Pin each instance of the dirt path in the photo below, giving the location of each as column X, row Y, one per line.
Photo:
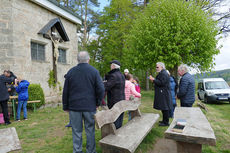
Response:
column 164, row 146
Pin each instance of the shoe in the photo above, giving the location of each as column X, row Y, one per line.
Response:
column 68, row 125
column 7, row 123
column 18, row 120
column 25, row 119
column 163, row 124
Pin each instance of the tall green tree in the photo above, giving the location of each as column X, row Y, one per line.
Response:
column 173, row 32
column 115, row 23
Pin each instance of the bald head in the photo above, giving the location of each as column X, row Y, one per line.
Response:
column 83, row 57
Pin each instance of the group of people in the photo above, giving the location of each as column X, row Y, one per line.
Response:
column 84, row 91
column 166, row 91
column 9, row 84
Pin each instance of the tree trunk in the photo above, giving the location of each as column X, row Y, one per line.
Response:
column 147, row 80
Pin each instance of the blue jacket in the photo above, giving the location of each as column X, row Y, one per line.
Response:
column 4, row 95
column 186, row 92
column 173, row 86
column 22, row 90
column 83, row 89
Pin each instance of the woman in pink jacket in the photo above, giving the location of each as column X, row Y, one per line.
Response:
column 130, row 89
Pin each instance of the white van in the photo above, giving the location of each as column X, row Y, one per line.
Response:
column 213, row 89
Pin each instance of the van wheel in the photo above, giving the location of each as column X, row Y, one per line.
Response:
column 205, row 99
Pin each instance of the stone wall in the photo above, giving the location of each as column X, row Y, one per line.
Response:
column 6, row 33
column 21, row 27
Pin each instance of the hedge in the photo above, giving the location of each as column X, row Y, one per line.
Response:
column 36, row 93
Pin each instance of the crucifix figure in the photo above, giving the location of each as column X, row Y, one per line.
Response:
column 56, row 43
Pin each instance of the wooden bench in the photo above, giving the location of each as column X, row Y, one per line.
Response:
column 196, row 132
column 34, row 103
column 127, row 138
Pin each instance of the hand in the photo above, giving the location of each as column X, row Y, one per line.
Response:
column 151, row 78
column 67, row 111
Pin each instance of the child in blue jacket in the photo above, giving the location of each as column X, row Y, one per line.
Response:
column 22, row 90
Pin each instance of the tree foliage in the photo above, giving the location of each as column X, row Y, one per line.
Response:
column 115, row 23
column 173, row 32
column 220, row 15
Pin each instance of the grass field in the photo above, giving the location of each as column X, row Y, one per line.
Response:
column 45, row 132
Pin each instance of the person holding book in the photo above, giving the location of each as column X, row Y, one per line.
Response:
column 162, row 97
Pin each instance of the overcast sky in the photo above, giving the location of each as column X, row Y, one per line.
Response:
column 222, row 60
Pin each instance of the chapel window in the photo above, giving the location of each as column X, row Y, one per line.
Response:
column 37, row 51
column 62, row 55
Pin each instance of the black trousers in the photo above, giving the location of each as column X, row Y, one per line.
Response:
column 119, row 121
column 186, row 104
column 4, row 106
column 165, row 116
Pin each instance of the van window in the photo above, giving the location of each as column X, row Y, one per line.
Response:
column 216, row 85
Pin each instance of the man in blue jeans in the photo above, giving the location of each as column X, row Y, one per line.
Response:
column 22, row 90
column 83, row 91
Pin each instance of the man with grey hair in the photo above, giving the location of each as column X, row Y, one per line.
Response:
column 186, row 92
column 83, row 92
column 115, row 88
column 162, row 96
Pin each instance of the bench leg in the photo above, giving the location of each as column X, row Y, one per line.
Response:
column 184, row 147
column 34, row 107
column 14, row 109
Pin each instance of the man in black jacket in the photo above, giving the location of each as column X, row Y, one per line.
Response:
column 4, row 95
column 115, row 87
column 83, row 91
column 162, row 96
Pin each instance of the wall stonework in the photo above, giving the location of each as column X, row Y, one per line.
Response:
column 20, row 22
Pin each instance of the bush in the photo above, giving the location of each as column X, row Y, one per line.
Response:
column 36, row 93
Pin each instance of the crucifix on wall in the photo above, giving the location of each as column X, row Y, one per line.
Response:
column 56, row 40
column 54, row 30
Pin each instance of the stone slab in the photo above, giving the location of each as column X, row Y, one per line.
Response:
column 129, row 136
column 109, row 116
column 197, row 130
column 9, row 140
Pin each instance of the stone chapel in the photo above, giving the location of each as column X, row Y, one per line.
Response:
column 38, row 38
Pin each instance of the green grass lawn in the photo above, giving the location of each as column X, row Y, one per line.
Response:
column 45, row 131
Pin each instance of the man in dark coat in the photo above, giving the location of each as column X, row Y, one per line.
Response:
column 115, row 87
column 11, row 88
column 186, row 92
column 4, row 95
column 83, row 91
column 162, row 97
